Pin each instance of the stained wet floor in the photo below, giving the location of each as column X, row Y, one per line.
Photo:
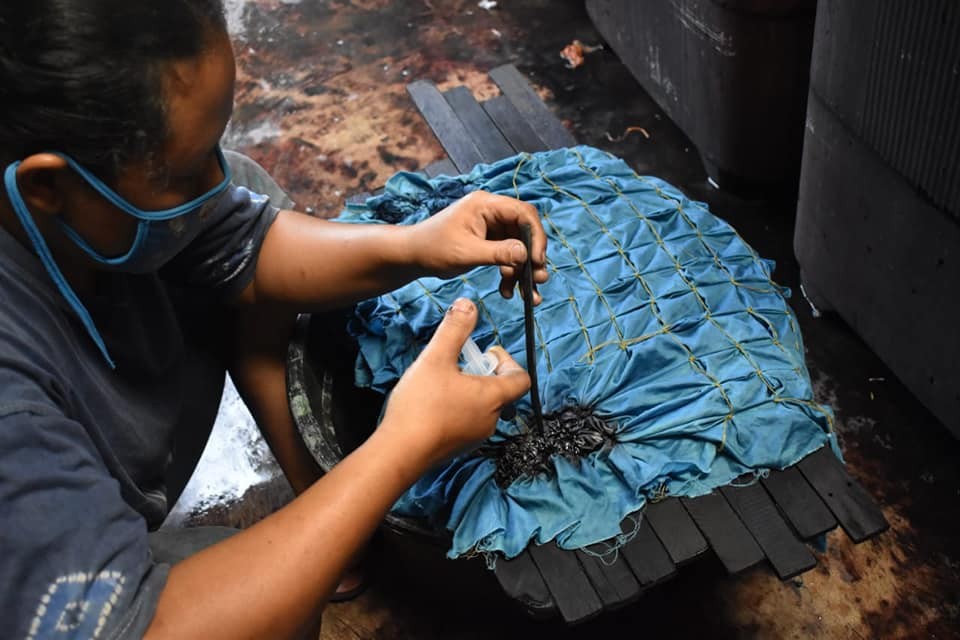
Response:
column 321, row 103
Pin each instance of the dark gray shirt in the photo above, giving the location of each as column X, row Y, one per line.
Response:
column 83, row 448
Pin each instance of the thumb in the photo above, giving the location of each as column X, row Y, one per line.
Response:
column 509, row 253
column 456, row 326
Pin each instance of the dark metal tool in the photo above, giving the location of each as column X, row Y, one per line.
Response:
column 526, row 291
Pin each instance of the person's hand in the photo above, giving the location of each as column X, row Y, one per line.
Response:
column 436, row 410
column 479, row 229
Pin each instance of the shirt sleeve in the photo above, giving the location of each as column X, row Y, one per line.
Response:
column 223, row 258
column 75, row 560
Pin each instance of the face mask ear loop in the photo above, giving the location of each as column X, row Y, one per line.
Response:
column 116, row 200
column 20, row 208
column 138, row 240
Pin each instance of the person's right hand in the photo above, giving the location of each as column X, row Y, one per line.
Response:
column 436, row 410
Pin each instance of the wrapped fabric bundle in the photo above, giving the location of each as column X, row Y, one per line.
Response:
column 658, row 319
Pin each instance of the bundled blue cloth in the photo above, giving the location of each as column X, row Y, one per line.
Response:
column 657, row 317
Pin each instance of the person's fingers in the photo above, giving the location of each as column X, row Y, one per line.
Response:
column 456, row 326
column 538, row 245
column 504, row 211
column 511, row 380
column 508, row 281
column 509, row 277
column 507, row 286
column 505, row 362
column 509, row 253
column 509, row 384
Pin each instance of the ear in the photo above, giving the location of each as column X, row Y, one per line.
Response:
column 41, row 180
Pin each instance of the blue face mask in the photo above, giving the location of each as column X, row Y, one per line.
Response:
column 160, row 235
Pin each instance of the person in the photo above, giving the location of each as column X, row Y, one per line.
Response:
column 132, row 271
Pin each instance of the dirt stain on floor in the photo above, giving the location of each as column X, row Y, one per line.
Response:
column 321, row 90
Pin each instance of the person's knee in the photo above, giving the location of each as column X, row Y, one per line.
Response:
column 173, row 545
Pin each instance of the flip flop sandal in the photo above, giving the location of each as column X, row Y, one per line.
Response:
column 350, row 594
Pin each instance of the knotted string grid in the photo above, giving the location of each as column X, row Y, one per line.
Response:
column 657, row 316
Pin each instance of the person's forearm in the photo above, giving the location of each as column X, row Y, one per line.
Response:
column 269, row 580
column 310, row 263
column 314, row 264
column 258, row 368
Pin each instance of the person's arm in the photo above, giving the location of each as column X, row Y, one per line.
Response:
column 269, row 580
column 312, row 262
column 306, row 261
column 257, row 366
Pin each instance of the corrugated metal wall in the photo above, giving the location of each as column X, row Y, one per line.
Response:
column 906, row 103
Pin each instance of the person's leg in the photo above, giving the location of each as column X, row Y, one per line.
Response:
column 203, row 380
column 257, row 358
column 258, row 367
column 171, row 545
column 203, row 321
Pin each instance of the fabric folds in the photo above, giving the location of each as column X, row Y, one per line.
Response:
column 657, row 316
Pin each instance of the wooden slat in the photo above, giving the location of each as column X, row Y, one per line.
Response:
column 728, row 536
column 509, row 121
column 441, row 168
column 515, row 87
column 799, row 502
column 853, row 507
column 568, row 584
column 446, row 125
column 786, row 553
column 483, row 132
column 676, row 530
column 521, row 580
column 647, row 558
column 611, row 578
column 358, row 198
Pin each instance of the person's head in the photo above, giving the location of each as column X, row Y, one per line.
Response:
column 137, row 92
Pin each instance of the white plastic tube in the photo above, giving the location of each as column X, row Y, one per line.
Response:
column 477, row 363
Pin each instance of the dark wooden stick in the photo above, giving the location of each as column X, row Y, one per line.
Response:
column 526, row 291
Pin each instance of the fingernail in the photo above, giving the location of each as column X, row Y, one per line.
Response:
column 517, row 253
column 462, row 305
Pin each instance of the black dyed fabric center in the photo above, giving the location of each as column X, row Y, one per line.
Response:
column 572, row 433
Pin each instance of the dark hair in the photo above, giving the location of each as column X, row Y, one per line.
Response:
column 84, row 77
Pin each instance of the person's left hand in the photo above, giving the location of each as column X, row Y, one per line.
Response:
column 480, row 229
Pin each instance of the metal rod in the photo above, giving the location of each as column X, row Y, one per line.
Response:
column 526, row 291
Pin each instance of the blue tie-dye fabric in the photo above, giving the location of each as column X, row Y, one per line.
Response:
column 657, row 316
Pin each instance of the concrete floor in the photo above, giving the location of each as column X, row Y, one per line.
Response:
column 321, row 103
